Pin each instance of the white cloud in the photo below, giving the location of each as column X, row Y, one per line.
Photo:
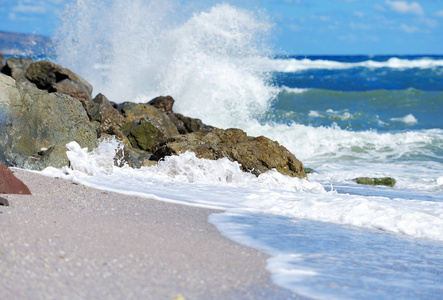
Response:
column 379, row 7
column 409, row 29
column 405, row 8
column 30, row 8
column 360, row 26
column 293, row 1
column 359, row 14
column 295, row 27
column 431, row 23
column 439, row 13
column 321, row 18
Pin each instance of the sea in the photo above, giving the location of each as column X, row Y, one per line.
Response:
column 343, row 116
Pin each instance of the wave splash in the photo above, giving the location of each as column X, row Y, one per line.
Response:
column 208, row 60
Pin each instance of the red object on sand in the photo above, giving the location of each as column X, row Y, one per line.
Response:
column 9, row 184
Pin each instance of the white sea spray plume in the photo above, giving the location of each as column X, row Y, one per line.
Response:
column 209, row 61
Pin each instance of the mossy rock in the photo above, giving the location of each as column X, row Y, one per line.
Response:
column 309, row 171
column 144, row 136
column 386, row 181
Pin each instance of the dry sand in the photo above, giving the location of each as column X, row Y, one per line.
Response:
column 68, row 241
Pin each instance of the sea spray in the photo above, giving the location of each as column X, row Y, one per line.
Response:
column 210, row 62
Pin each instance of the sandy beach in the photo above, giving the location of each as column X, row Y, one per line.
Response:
column 68, row 241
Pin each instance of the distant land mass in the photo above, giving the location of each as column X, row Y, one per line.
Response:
column 21, row 44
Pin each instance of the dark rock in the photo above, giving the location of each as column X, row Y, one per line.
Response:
column 101, row 110
column 163, row 103
column 184, row 124
column 16, row 68
column 2, row 62
column 4, row 202
column 9, row 184
column 192, row 125
column 37, row 125
column 386, row 181
column 255, row 154
column 54, row 78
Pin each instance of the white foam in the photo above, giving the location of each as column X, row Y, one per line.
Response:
column 293, row 90
column 408, row 119
column 296, row 65
column 314, row 114
column 221, row 184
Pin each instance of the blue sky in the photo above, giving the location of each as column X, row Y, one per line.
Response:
column 302, row 26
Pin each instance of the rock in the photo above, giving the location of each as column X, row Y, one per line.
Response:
column 2, row 62
column 386, row 181
column 36, row 126
column 4, row 202
column 255, row 154
column 54, row 78
column 72, row 88
column 133, row 112
column 9, row 184
column 16, row 68
column 101, row 110
column 184, row 124
column 143, row 135
column 309, row 171
column 192, row 125
column 163, row 103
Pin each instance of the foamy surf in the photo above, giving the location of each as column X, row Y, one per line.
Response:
column 226, row 186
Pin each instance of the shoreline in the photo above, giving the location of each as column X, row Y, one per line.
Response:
column 69, row 241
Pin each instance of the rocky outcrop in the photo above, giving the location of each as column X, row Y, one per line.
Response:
column 54, row 78
column 35, row 126
column 40, row 115
column 386, row 181
column 255, row 154
column 9, row 184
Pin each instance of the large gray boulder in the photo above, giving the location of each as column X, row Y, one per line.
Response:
column 54, row 78
column 16, row 68
column 35, row 126
column 255, row 154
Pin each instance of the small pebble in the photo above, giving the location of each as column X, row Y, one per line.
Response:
column 4, row 202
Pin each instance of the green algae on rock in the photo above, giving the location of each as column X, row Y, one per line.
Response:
column 386, row 181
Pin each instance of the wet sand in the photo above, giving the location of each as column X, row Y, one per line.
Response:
column 68, row 241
